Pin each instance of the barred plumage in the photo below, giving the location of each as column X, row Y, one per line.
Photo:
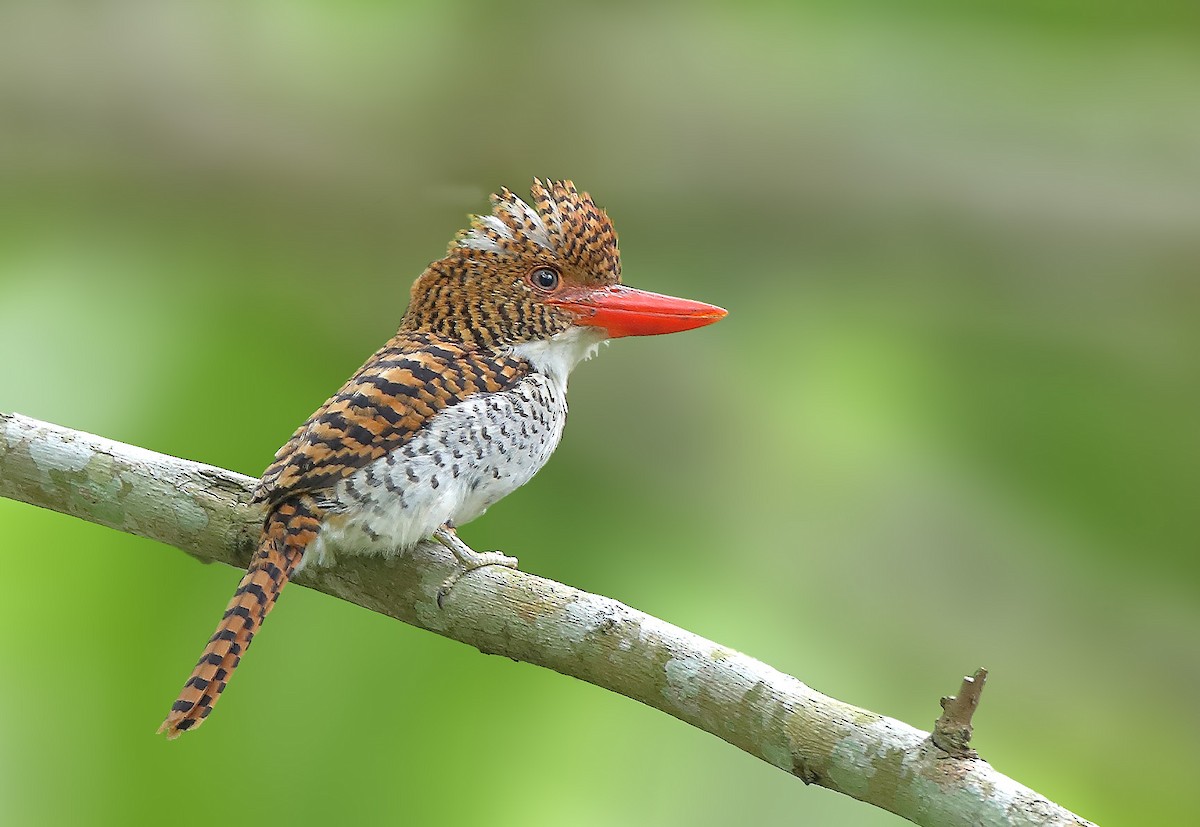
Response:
column 463, row 405
column 289, row 528
column 385, row 404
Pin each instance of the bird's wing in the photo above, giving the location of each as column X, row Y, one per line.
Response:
column 391, row 398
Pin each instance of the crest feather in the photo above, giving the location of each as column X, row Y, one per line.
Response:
column 563, row 222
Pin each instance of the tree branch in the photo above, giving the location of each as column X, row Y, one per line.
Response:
column 953, row 729
column 773, row 716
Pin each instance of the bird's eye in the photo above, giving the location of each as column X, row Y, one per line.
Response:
column 544, row 278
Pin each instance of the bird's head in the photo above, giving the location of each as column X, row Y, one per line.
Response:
column 549, row 272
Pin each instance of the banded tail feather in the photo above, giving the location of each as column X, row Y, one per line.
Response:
column 288, row 529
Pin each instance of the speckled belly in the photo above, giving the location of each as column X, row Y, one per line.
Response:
column 467, row 458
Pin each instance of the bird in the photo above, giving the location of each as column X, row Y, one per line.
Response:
column 462, row 406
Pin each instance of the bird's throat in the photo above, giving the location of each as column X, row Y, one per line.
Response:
column 557, row 356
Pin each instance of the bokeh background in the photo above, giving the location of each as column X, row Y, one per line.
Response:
column 951, row 420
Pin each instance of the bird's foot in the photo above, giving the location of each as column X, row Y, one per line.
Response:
column 468, row 559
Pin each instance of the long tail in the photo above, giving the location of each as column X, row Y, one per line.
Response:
column 288, row 529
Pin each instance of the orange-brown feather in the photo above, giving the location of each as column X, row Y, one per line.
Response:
column 466, row 313
column 385, row 404
column 289, row 528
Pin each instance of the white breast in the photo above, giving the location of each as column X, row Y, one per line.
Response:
column 465, row 460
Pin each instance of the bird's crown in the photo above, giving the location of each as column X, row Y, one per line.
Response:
column 501, row 280
column 562, row 222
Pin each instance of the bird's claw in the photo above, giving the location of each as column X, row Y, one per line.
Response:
column 468, row 560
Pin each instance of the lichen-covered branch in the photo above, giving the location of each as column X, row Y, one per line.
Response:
column 773, row 716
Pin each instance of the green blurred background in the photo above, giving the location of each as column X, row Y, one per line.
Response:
column 951, row 420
